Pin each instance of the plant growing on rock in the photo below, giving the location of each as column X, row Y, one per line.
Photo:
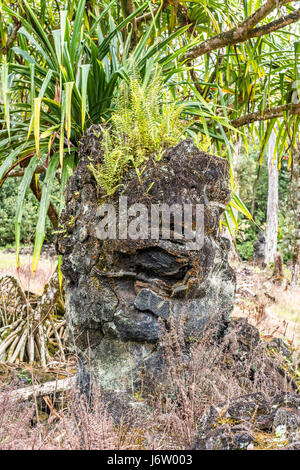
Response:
column 145, row 121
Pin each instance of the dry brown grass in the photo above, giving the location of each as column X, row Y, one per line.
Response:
column 216, row 371
column 285, row 312
column 30, row 282
column 23, row 426
column 273, row 309
column 212, row 374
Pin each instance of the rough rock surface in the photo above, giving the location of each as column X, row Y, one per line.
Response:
column 251, row 422
column 117, row 291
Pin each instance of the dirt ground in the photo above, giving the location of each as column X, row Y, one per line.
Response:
column 273, row 309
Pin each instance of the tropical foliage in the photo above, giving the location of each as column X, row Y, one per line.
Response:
column 230, row 68
column 248, row 232
column 8, row 204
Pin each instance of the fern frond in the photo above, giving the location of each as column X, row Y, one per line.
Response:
column 143, row 124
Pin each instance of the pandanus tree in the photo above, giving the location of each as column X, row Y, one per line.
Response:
column 231, row 67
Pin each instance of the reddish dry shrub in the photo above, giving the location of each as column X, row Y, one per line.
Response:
column 83, row 426
column 16, row 430
column 209, row 371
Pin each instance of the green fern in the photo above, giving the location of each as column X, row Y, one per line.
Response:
column 144, row 123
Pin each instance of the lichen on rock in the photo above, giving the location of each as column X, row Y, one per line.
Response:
column 251, row 421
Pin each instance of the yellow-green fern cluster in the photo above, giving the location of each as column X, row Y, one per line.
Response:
column 143, row 124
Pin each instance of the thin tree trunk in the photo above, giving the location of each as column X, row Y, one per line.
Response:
column 296, row 252
column 55, row 386
column 127, row 9
column 272, row 209
column 255, row 186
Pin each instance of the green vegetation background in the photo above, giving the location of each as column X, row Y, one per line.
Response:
column 248, row 232
column 8, row 204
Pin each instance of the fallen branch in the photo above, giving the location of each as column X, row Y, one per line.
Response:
column 51, row 407
column 55, row 386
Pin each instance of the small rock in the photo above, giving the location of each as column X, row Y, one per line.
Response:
column 246, row 406
column 287, row 423
column 148, row 300
column 82, row 234
column 280, row 346
column 224, row 437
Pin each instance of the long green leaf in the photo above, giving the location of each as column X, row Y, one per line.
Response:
column 26, row 180
column 84, row 80
column 43, row 209
column 5, row 95
column 76, row 29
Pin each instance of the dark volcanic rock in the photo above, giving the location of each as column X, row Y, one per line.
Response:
column 117, row 291
column 238, row 424
column 148, row 300
column 225, row 437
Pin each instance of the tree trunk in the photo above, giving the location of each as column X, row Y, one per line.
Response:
column 272, row 209
column 278, row 273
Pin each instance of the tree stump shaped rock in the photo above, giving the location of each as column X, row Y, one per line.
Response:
column 119, row 291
